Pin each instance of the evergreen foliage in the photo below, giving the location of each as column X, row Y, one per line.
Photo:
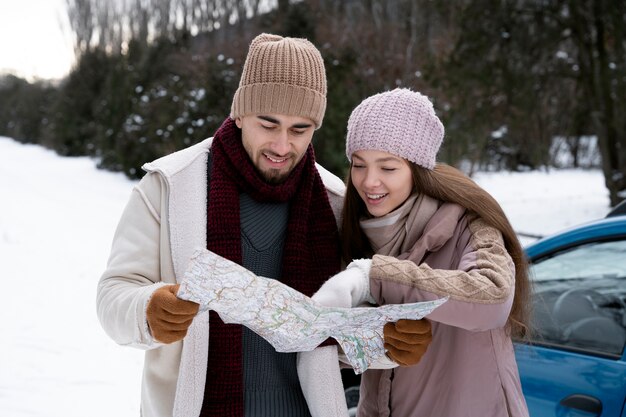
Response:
column 24, row 108
column 511, row 80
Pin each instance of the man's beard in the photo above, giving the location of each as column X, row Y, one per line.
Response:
column 277, row 176
column 274, row 176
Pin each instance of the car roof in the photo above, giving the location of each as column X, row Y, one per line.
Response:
column 609, row 228
column 618, row 209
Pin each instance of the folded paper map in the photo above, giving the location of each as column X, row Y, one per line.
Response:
column 289, row 320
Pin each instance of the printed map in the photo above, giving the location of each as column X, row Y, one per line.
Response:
column 289, row 320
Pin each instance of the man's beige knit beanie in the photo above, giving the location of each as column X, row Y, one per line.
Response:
column 283, row 76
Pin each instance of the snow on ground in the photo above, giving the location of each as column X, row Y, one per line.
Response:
column 57, row 218
column 541, row 203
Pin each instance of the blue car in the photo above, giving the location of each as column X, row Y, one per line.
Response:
column 575, row 364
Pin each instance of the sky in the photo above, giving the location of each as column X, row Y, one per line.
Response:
column 57, row 219
column 34, row 39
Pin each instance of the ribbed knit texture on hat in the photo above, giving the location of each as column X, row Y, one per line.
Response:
column 283, row 76
column 401, row 122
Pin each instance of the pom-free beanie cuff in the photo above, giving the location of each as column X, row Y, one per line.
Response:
column 281, row 99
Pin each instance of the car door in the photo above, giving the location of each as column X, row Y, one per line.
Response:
column 575, row 364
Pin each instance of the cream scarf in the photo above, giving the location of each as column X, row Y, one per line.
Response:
column 397, row 232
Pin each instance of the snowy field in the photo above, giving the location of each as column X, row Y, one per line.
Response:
column 57, row 218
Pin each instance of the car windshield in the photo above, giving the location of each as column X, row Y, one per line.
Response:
column 603, row 260
column 579, row 298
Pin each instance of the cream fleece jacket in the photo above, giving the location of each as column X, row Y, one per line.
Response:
column 163, row 222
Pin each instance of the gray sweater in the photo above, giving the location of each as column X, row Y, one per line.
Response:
column 271, row 385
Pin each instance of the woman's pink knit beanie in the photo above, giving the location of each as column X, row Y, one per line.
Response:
column 401, row 122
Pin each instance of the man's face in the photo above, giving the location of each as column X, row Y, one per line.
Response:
column 275, row 143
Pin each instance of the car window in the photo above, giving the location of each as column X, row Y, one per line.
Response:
column 579, row 298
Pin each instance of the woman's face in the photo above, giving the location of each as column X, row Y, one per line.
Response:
column 383, row 180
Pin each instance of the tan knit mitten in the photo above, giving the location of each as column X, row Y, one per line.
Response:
column 168, row 316
column 406, row 341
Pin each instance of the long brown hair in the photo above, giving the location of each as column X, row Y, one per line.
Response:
column 446, row 183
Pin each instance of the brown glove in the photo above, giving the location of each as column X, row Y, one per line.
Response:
column 406, row 341
column 168, row 316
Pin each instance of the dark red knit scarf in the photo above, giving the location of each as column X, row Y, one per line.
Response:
column 310, row 257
